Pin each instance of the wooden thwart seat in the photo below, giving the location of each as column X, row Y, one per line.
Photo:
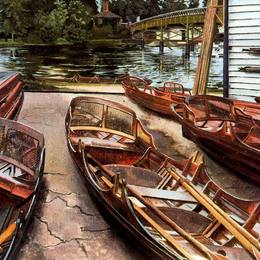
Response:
column 103, row 143
column 164, row 194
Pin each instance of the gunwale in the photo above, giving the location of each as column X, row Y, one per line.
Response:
column 156, row 99
column 11, row 95
column 78, row 154
column 224, row 140
column 19, row 194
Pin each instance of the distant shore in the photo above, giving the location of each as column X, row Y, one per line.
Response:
column 88, row 43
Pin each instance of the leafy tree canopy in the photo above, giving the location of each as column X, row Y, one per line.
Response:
column 46, row 20
column 131, row 9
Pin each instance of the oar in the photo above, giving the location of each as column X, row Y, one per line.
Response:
column 182, row 232
column 207, row 203
column 7, row 234
column 243, row 236
column 167, row 236
column 160, row 230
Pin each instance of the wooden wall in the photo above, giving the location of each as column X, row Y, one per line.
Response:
column 244, row 33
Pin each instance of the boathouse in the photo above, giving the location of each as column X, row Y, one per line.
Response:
column 106, row 18
column 242, row 49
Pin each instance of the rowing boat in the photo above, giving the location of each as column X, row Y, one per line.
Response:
column 157, row 99
column 172, row 209
column 21, row 170
column 11, row 94
column 226, row 129
column 82, row 79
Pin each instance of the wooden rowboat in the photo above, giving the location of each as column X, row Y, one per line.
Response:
column 21, row 170
column 156, row 99
column 11, row 94
column 172, row 209
column 228, row 130
column 81, row 79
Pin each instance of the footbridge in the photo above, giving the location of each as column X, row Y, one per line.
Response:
column 190, row 20
column 194, row 16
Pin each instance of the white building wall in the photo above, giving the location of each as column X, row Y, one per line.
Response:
column 244, row 33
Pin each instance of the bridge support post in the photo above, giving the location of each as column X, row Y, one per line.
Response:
column 187, row 47
column 192, row 38
column 142, row 41
column 161, row 47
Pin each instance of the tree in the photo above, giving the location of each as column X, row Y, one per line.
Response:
column 52, row 24
column 79, row 16
column 193, row 3
column 92, row 4
column 13, row 13
column 205, row 3
column 173, row 5
column 130, row 9
column 153, row 7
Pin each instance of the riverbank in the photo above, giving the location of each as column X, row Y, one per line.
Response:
column 98, row 88
column 62, row 42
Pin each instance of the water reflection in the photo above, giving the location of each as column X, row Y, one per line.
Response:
column 66, row 61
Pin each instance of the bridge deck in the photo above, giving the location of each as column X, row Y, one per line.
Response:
column 183, row 17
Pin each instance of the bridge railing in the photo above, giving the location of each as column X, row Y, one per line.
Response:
column 185, row 12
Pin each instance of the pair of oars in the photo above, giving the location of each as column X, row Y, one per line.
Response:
column 171, row 240
column 248, row 241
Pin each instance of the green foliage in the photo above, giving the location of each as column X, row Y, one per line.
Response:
column 173, row 5
column 193, row 3
column 12, row 16
column 131, row 9
column 52, row 24
column 92, row 4
column 46, row 20
column 79, row 16
column 205, row 3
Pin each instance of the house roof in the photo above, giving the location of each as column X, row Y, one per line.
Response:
column 107, row 15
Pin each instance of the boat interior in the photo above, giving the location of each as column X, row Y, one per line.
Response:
column 20, row 157
column 167, row 91
column 218, row 115
column 163, row 193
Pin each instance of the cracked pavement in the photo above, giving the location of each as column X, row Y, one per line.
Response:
column 66, row 223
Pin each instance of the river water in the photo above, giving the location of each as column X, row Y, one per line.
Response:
column 108, row 62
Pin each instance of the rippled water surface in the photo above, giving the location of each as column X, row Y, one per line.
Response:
column 67, row 61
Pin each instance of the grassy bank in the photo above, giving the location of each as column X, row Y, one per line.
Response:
column 62, row 42
column 104, row 42
column 10, row 43
column 20, row 43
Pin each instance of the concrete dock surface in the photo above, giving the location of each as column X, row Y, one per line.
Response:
column 66, row 223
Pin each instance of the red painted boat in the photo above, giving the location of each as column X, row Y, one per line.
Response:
column 226, row 129
column 156, row 99
column 83, row 79
column 22, row 155
column 11, row 94
column 171, row 209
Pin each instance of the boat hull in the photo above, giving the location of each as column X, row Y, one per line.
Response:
column 152, row 102
column 11, row 95
column 18, row 203
column 242, row 160
column 116, row 219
